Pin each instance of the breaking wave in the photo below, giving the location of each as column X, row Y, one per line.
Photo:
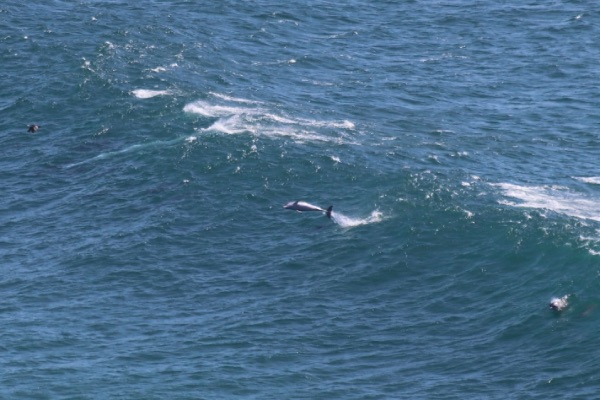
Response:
column 237, row 115
column 558, row 199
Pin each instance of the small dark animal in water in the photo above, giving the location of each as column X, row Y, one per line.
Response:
column 33, row 128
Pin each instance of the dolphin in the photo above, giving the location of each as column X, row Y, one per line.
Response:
column 304, row 206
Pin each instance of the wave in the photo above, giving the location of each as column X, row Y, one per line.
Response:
column 148, row 94
column 234, row 99
column 350, row 222
column 236, row 124
column 230, row 125
column 216, row 110
column 237, row 115
column 558, row 199
column 591, row 242
column 595, row 180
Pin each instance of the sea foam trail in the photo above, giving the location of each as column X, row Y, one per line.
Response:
column 557, row 199
column 129, row 149
column 350, row 222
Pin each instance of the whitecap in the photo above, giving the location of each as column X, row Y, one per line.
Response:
column 345, row 124
column 558, row 199
column 280, row 119
column 239, row 115
column 214, row 110
column 230, row 126
column 595, row 180
column 147, row 94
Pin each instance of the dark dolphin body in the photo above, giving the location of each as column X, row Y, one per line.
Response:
column 33, row 128
column 304, row 206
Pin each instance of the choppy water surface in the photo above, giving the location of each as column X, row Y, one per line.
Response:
column 145, row 249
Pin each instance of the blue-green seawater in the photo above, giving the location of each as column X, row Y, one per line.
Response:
column 145, row 252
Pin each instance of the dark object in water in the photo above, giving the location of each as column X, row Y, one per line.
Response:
column 559, row 304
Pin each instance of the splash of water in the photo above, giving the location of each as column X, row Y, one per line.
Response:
column 350, row 222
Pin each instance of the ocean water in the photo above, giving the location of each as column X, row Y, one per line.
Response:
column 145, row 251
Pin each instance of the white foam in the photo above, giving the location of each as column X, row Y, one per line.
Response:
column 281, row 119
column 147, row 94
column 595, row 180
column 214, row 110
column 230, row 126
column 237, row 115
column 236, row 124
column 349, row 222
column 558, row 199
column 233, row 99
column 591, row 242
column 296, row 134
column 327, row 124
column 305, row 133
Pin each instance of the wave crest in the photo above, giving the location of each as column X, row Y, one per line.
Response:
column 237, row 115
column 559, row 199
